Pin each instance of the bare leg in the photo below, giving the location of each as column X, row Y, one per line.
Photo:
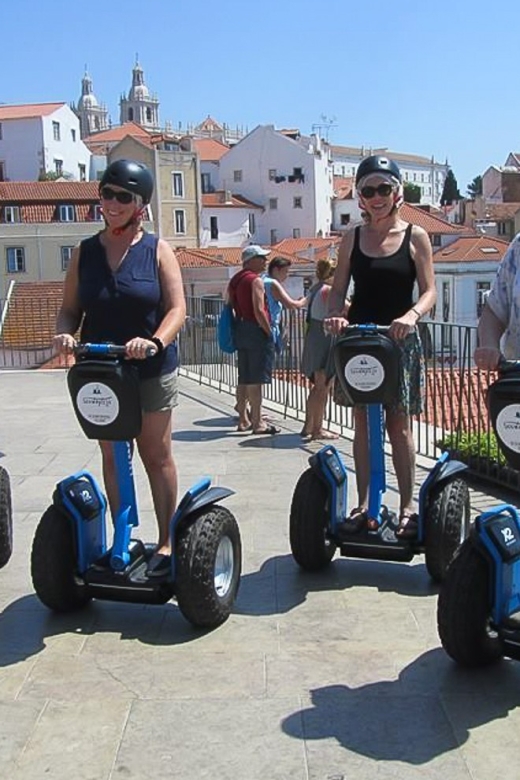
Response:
column 155, row 448
column 254, row 394
column 243, row 417
column 318, row 401
column 403, row 457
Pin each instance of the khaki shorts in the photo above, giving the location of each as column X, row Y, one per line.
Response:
column 161, row 393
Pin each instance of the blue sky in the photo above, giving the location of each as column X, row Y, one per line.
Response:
column 430, row 78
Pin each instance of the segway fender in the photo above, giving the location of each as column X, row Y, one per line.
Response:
column 197, row 497
column 448, row 471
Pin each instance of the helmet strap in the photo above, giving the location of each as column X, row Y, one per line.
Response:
column 134, row 220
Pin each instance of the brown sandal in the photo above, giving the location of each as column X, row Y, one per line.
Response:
column 408, row 526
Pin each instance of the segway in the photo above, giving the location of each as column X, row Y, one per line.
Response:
column 6, row 518
column 367, row 366
column 71, row 562
column 479, row 602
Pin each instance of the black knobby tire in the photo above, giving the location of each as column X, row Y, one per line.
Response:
column 446, row 525
column 208, row 564
column 464, row 610
column 53, row 563
column 310, row 545
column 6, row 518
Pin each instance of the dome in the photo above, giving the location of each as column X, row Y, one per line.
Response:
column 88, row 101
column 140, row 92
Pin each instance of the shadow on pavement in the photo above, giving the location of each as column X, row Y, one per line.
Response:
column 429, row 710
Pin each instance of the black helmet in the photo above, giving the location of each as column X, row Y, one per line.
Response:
column 129, row 175
column 377, row 163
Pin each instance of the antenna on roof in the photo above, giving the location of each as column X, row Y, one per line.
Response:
column 324, row 126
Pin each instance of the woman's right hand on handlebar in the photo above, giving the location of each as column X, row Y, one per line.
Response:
column 487, row 358
column 64, row 343
column 334, row 325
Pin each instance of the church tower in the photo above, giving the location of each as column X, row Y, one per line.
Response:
column 139, row 106
column 93, row 116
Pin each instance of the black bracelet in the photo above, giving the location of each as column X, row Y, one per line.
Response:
column 158, row 343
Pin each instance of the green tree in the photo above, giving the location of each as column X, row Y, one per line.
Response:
column 49, row 176
column 450, row 190
column 474, row 188
column 411, row 192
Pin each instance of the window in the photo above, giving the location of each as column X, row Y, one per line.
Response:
column 445, row 301
column 58, row 166
column 149, row 115
column 237, row 175
column 15, row 259
column 213, row 222
column 98, row 214
column 206, row 182
column 344, row 219
column 180, row 221
column 436, row 239
column 273, row 203
column 1, row 131
column 297, row 203
column 130, row 114
column 252, row 224
column 483, row 289
column 274, row 237
column 11, row 214
column 502, row 228
column 298, row 174
column 178, row 184
column 296, row 233
column 73, row 134
column 66, row 213
column 66, row 254
column 272, row 174
column 82, row 172
column 2, row 171
column 56, row 131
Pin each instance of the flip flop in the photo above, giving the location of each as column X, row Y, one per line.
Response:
column 356, row 521
column 159, row 565
column 408, row 526
column 271, row 429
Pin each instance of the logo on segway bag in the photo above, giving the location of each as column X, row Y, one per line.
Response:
column 508, row 426
column 97, row 403
column 364, row 373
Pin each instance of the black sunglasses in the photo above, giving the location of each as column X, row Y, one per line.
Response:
column 382, row 189
column 107, row 193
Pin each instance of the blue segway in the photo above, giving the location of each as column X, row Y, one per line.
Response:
column 367, row 366
column 478, row 612
column 6, row 518
column 71, row 562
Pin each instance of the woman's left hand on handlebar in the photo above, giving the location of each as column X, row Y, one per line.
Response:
column 64, row 343
column 139, row 348
column 334, row 325
column 401, row 327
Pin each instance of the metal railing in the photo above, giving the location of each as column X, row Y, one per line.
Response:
column 454, row 394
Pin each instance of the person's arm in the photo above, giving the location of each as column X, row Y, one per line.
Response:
column 258, row 292
column 70, row 314
column 489, row 333
column 281, row 295
column 421, row 251
column 335, row 320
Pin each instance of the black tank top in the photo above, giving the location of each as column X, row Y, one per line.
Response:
column 383, row 286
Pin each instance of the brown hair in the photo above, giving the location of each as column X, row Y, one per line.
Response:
column 325, row 268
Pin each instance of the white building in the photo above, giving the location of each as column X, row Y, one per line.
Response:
column 41, row 138
column 228, row 220
column 424, row 172
column 288, row 175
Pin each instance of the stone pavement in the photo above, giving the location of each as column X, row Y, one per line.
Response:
column 331, row 676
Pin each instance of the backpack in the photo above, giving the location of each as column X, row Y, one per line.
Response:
column 226, row 330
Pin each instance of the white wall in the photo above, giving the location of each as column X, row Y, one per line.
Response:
column 72, row 153
column 492, row 185
column 21, row 148
column 232, row 223
column 264, row 149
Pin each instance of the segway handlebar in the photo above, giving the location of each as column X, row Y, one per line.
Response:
column 369, row 327
column 106, row 350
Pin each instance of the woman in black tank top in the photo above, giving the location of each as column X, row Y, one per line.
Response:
column 385, row 258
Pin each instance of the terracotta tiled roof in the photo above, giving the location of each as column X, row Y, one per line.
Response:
column 16, row 192
column 31, row 315
column 294, row 246
column 209, row 125
column 218, row 200
column 213, row 256
column 199, row 258
column 115, row 134
column 429, row 222
column 210, row 150
column 28, row 110
column 501, row 210
column 468, row 248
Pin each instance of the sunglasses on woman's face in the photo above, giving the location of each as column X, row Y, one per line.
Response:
column 383, row 190
column 107, row 193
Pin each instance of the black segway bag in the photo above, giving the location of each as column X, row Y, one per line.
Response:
column 367, row 366
column 504, row 410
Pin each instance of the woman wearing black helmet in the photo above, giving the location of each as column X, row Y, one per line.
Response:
column 124, row 286
column 385, row 257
